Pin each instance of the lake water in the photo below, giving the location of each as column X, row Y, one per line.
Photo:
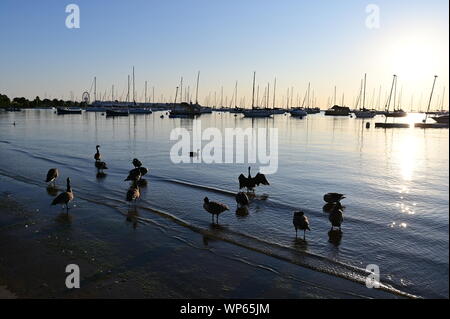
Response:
column 396, row 183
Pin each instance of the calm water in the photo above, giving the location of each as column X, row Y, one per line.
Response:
column 396, row 182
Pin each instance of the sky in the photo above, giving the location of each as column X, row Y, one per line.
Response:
column 326, row 43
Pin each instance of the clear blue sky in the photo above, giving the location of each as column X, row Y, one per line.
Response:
column 325, row 42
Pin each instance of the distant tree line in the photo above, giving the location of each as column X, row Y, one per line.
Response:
column 21, row 102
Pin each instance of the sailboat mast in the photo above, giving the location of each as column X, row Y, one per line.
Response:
column 181, row 90
column 274, row 88
column 431, row 97
column 196, row 90
column 134, row 88
column 145, row 99
column 253, row 92
column 364, row 96
column 128, row 92
column 388, row 104
column 95, row 88
column 235, row 94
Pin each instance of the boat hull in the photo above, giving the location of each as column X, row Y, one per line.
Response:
column 60, row 111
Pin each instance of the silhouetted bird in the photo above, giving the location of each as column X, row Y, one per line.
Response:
column 133, row 193
column 134, row 175
column 242, row 199
column 250, row 182
column 100, row 166
column 301, row 222
column 97, row 155
column 137, row 163
column 336, row 218
column 65, row 197
column 52, row 175
column 214, row 208
column 333, row 197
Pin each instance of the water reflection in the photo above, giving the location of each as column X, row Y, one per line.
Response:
column 335, row 237
column 52, row 190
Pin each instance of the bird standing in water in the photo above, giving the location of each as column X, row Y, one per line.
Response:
column 214, row 208
column 333, row 197
column 65, row 197
column 242, row 199
column 52, row 175
column 250, row 182
column 97, row 155
column 336, row 218
column 136, row 163
column 100, row 166
column 133, row 193
column 301, row 222
column 134, row 175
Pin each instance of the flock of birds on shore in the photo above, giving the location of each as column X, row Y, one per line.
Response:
column 333, row 200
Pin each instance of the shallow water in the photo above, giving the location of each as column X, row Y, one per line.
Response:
column 395, row 180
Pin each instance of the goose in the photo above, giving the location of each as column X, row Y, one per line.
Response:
column 134, row 175
column 65, row 197
column 214, row 208
column 242, row 199
column 250, row 182
column 136, row 163
column 133, row 193
column 97, row 155
column 301, row 222
column 52, row 175
column 336, row 218
column 333, row 197
column 100, row 166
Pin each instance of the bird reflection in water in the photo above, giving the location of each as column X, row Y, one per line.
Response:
column 101, row 175
column 207, row 240
column 142, row 183
column 64, row 218
column 335, row 237
column 300, row 244
column 242, row 211
column 52, row 190
column 133, row 217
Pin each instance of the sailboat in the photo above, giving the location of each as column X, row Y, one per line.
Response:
column 364, row 113
column 396, row 112
column 256, row 111
column 299, row 111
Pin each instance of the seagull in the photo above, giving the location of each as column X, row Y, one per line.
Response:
column 214, row 208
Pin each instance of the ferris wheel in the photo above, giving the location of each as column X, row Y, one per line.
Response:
column 86, row 97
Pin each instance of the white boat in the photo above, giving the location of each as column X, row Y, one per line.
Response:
column 298, row 112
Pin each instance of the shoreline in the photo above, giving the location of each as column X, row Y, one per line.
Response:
column 23, row 250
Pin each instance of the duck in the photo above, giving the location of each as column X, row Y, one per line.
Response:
column 333, row 197
column 52, row 175
column 65, row 197
column 214, row 208
column 301, row 222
